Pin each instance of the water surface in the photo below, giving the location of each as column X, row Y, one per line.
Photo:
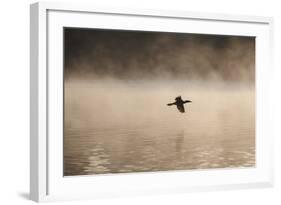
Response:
column 119, row 127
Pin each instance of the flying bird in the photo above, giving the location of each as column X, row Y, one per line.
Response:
column 179, row 103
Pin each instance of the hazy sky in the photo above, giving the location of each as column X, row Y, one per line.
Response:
column 157, row 55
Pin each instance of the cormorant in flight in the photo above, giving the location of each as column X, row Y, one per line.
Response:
column 179, row 103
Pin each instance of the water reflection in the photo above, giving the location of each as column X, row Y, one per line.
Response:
column 130, row 136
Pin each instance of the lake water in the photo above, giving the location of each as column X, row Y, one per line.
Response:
column 119, row 127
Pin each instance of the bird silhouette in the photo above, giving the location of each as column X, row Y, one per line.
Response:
column 179, row 103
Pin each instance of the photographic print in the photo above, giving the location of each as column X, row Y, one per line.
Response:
column 143, row 101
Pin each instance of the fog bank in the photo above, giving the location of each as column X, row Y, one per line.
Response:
column 153, row 55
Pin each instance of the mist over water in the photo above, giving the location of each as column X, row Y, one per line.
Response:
column 138, row 55
column 117, row 85
column 113, row 127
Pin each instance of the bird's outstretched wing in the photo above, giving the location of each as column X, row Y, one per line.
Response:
column 170, row 104
column 181, row 108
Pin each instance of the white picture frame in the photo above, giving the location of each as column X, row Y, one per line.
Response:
column 46, row 178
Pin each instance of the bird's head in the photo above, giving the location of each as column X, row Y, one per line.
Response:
column 178, row 98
